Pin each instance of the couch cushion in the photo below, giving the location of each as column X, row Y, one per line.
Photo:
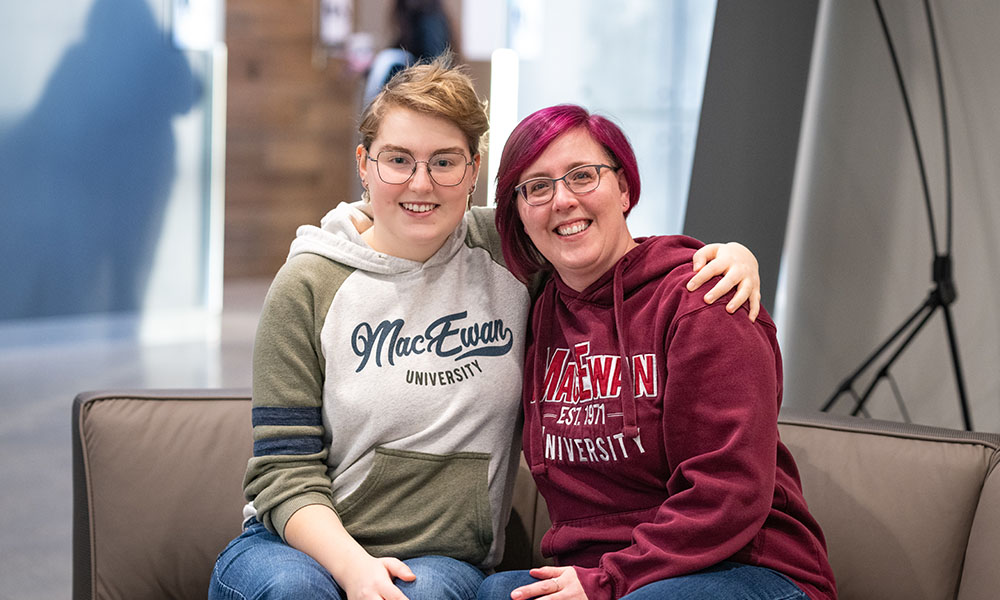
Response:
column 164, row 490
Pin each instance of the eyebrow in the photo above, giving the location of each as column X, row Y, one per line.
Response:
column 451, row 150
column 573, row 165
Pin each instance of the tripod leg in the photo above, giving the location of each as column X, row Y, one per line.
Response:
column 959, row 379
column 848, row 384
column 929, row 306
column 899, row 400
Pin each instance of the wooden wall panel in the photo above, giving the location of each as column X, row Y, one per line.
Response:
column 291, row 132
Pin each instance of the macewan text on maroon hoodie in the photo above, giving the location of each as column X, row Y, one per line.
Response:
column 651, row 431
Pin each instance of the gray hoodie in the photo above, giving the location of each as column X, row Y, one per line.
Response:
column 389, row 390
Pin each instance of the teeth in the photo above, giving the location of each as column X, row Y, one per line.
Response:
column 418, row 207
column 572, row 228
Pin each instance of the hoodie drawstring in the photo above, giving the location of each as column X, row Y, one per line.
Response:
column 536, row 456
column 629, row 408
column 630, row 426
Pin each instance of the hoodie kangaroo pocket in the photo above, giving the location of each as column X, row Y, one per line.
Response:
column 595, row 535
column 415, row 504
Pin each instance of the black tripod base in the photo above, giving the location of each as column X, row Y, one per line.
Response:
column 940, row 297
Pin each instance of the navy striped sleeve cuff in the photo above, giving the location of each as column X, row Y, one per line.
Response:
column 286, row 446
column 276, row 416
column 279, row 416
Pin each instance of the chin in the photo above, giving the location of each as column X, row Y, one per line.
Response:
column 578, row 262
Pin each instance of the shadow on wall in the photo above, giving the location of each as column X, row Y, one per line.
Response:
column 86, row 174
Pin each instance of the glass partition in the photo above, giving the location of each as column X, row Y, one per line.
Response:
column 111, row 140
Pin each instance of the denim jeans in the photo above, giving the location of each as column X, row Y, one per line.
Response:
column 724, row 581
column 259, row 565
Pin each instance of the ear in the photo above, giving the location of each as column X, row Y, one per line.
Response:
column 359, row 155
column 623, row 191
column 475, row 168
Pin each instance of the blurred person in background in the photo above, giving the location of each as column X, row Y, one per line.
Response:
column 422, row 31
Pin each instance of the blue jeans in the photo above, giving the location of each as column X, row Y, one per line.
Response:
column 724, row 581
column 259, row 565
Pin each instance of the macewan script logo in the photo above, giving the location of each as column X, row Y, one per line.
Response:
column 449, row 336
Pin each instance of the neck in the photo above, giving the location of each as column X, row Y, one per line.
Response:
column 583, row 280
column 414, row 252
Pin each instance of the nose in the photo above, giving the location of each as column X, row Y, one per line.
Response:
column 562, row 197
column 421, row 180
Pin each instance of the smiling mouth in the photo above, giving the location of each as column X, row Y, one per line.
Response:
column 573, row 228
column 418, row 208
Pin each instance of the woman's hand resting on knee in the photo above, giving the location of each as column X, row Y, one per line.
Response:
column 316, row 530
column 557, row 583
column 372, row 579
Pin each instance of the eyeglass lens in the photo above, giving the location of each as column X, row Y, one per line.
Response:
column 579, row 180
column 446, row 168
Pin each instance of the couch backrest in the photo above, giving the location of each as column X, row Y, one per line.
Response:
column 158, row 493
column 897, row 504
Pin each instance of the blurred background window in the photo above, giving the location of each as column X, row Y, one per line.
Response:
column 642, row 62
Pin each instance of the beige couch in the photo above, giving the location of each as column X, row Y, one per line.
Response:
column 909, row 512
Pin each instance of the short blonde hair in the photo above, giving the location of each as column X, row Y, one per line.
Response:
column 437, row 89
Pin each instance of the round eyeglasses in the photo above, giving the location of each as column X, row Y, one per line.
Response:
column 446, row 168
column 580, row 180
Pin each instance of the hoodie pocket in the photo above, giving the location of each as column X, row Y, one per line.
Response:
column 415, row 504
column 578, row 541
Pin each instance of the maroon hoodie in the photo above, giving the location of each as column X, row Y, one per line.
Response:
column 681, row 468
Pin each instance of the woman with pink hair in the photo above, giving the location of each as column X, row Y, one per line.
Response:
column 650, row 417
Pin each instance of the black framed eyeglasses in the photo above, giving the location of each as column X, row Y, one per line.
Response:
column 580, row 180
column 445, row 168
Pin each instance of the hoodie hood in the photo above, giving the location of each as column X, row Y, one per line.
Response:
column 646, row 264
column 339, row 239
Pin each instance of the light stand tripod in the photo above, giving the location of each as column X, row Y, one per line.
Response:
column 943, row 294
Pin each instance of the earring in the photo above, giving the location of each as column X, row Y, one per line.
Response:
column 468, row 205
column 365, row 196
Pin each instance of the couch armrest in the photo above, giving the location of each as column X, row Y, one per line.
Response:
column 157, row 489
column 979, row 574
column 896, row 502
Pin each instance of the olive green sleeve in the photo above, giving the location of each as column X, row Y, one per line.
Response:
column 483, row 233
column 288, row 469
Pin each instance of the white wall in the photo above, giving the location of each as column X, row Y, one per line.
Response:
column 857, row 253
